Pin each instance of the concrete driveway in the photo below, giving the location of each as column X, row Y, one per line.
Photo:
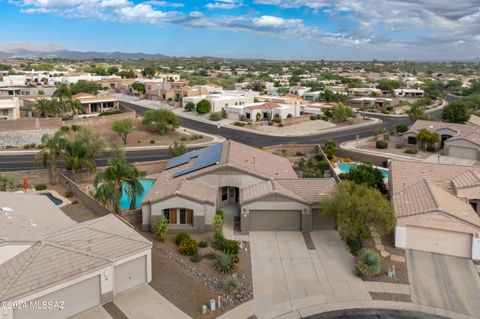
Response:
column 144, row 302
column 287, row 276
column 444, row 281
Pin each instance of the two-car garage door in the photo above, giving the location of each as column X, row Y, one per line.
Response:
column 439, row 241
column 275, row 220
column 462, row 152
column 74, row 299
column 130, row 274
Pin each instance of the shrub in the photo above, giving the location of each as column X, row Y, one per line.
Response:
column 64, row 129
column 368, row 264
column 313, row 117
column 203, row 244
column 215, row 116
column 280, row 125
column 183, row 138
column 231, row 285
column 68, row 194
column 270, row 123
column 160, row 228
column 188, row 247
column 26, row 146
column 190, row 106
column 430, row 148
column 230, row 247
column 112, row 112
column 41, row 146
column 241, row 124
column 217, row 223
column 40, row 187
column 196, row 137
column 411, row 151
column 225, row 263
column 196, row 258
column 210, row 256
column 289, row 115
column 401, row 128
column 76, row 127
column 219, row 212
column 203, row 106
column 381, row 144
column 181, row 237
column 218, row 241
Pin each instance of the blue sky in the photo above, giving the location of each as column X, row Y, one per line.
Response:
column 276, row 29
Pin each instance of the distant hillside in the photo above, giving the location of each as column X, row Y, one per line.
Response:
column 67, row 54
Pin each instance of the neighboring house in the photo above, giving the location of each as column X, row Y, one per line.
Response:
column 171, row 91
column 9, row 108
column 258, row 189
column 96, row 103
column 27, row 90
column 364, row 91
column 456, row 140
column 312, row 96
column 436, row 208
column 299, row 90
column 409, row 93
column 219, row 101
column 47, row 257
column 114, row 85
column 285, row 99
column 266, row 110
column 337, row 89
column 379, row 103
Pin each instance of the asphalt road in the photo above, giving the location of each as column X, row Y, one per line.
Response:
column 25, row 162
column 373, row 314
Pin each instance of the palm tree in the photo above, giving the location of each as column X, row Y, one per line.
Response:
column 118, row 176
column 7, row 182
column 46, row 108
column 77, row 156
column 75, row 106
column 52, row 151
column 63, row 97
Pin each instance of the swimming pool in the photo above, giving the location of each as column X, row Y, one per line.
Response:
column 346, row 167
column 147, row 183
column 55, row 200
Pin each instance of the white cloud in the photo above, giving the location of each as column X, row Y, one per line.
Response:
column 224, row 4
column 15, row 46
column 157, row 3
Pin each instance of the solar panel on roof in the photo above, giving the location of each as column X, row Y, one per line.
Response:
column 203, row 158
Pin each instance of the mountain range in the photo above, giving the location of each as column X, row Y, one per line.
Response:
column 77, row 55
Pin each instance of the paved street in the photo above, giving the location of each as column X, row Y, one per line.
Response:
column 287, row 276
column 444, row 281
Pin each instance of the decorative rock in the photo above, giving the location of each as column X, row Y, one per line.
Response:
column 396, row 258
column 384, row 254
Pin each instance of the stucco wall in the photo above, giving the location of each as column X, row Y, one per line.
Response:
column 227, row 177
column 438, row 220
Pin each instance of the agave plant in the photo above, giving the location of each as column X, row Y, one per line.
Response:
column 225, row 263
column 369, row 263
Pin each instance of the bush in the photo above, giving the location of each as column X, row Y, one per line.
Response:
column 430, row 148
column 196, row 258
column 26, row 146
column 411, row 151
column 401, row 128
column 112, row 112
column 381, row 144
column 230, row 247
column 160, row 228
column 183, row 138
column 231, row 285
column 181, row 237
column 280, row 125
column 225, row 263
column 203, row 244
column 64, row 129
column 240, row 124
column 40, row 187
column 188, row 247
column 190, row 106
column 368, row 264
column 210, row 256
column 215, row 117
column 76, row 127
column 219, row 212
column 298, row 153
column 218, row 241
column 313, row 117
column 196, row 137
column 68, row 194
column 203, row 106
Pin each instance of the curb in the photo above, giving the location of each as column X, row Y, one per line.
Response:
column 374, row 121
column 441, row 106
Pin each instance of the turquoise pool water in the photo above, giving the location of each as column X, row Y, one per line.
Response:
column 346, row 167
column 147, row 183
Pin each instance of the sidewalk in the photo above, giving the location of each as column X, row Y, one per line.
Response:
column 181, row 113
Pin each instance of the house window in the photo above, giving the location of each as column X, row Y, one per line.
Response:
column 247, row 115
column 224, row 193
column 181, row 216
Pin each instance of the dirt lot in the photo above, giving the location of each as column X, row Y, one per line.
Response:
column 143, row 135
column 369, row 144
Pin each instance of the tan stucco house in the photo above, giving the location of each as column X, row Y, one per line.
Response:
column 46, row 256
column 456, row 140
column 261, row 189
column 436, row 208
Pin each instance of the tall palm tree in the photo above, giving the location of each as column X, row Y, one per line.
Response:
column 118, row 176
column 77, row 156
column 52, row 151
column 63, row 97
column 75, row 106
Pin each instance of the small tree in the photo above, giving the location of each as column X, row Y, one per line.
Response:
column 123, row 128
column 330, row 147
column 139, row 87
column 161, row 120
column 368, row 175
column 190, row 106
column 428, row 137
column 160, row 228
column 342, row 112
column 7, row 182
column 455, row 112
column 176, row 149
column 401, row 128
column 358, row 209
column 204, row 106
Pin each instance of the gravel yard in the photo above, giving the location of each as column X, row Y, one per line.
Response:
column 301, row 128
column 23, row 137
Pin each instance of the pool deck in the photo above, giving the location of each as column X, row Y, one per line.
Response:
column 65, row 201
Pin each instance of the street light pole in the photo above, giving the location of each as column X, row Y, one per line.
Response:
column 218, row 128
column 357, row 138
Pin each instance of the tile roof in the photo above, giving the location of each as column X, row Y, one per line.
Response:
column 308, row 191
column 68, row 253
column 467, row 131
column 165, row 188
column 467, row 179
column 425, row 197
column 474, row 120
column 264, row 106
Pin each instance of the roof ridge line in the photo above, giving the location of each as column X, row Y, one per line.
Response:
column 430, row 189
column 22, row 270
column 59, row 246
column 120, row 235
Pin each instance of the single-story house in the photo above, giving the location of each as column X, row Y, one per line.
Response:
column 456, row 140
column 409, row 93
column 379, row 103
column 96, row 103
column 437, row 208
column 9, row 108
column 265, row 110
column 47, row 257
column 259, row 189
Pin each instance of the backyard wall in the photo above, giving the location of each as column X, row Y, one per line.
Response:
column 362, row 157
column 30, row 123
column 37, row 176
column 102, row 120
